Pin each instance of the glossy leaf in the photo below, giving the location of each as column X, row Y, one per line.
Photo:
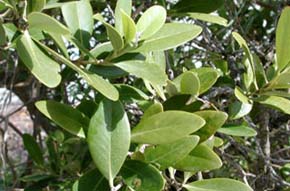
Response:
column 129, row 27
column 200, row 6
column 214, row 120
column 189, row 84
column 238, row 109
column 276, row 102
column 33, row 149
column 167, row 155
column 141, row 69
column 43, row 22
column 122, row 5
column 41, row 66
column 283, row 39
column 201, row 158
column 65, row 116
column 109, row 138
column 140, row 176
column 170, row 36
column 238, row 130
column 78, row 16
column 35, row 5
column 151, row 21
column 91, row 181
column 166, row 127
column 217, row 184
column 209, row 18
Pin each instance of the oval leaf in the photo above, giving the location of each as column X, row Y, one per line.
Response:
column 41, row 66
column 201, row 158
column 109, row 138
column 276, row 102
column 238, row 130
column 217, row 184
column 129, row 27
column 189, row 84
column 167, row 155
column 170, row 36
column 122, row 5
column 65, row 116
column 151, row 21
column 140, row 176
column 33, row 149
column 166, row 127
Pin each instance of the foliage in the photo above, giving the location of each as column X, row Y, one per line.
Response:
column 176, row 139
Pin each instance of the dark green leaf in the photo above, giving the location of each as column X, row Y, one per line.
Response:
column 141, row 176
column 200, row 6
column 33, row 149
column 35, row 5
column 109, row 138
column 166, row 127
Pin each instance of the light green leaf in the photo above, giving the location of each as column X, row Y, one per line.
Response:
column 281, row 81
column 35, row 5
column 91, row 181
column 152, row 110
column 41, row 66
column 151, row 21
column 129, row 27
column 166, row 127
column 238, row 109
column 126, row 6
column 200, row 6
column 248, row 61
column 170, row 36
column 78, row 16
column 283, row 39
column 43, row 22
column 276, row 102
column 167, row 155
column 65, row 116
column 207, row 77
column 101, row 48
column 147, row 71
column 33, row 149
column 189, row 84
column 214, row 120
column 109, row 138
column 284, row 94
column 241, row 96
column 201, row 158
column 217, row 184
column 140, row 176
column 59, row 41
column 114, row 36
column 209, row 18
column 238, row 130
column 97, row 82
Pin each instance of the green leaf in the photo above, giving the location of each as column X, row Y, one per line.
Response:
column 170, row 36
column 207, row 78
column 152, row 110
column 200, row 6
column 151, row 21
column 41, row 66
column 122, row 5
column 102, row 48
column 238, row 130
column 281, row 81
column 214, row 120
column 129, row 27
column 109, row 138
column 130, row 93
column 201, row 158
column 33, row 149
column 209, row 18
column 241, row 96
column 78, row 16
column 147, row 71
column 43, row 22
column 172, row 125
column 167, row 155
column 35, row 5
column 283, row 39
column 238, row 109
column 91, row 181
column 2, row 35
column 217, row 184
column 261, row 77
column 189, row 84
column 65, row 116
column 114, row 36
column 140, row 176
column 275, row 102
